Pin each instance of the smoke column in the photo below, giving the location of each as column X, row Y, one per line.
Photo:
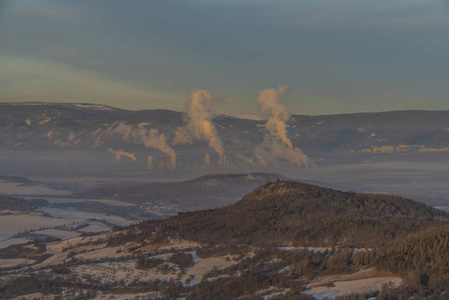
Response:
column 182, row 136
column 277, row 143
column 122, row 153
column 151, row 138
column 148, row 137
column 200, row 119
column 277, row 113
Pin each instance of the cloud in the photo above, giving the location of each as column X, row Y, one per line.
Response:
column 329, row 50
column 25, row 80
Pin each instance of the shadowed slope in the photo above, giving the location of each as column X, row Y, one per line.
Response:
column 292, row 213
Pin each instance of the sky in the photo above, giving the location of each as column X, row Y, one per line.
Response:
column 337, row 56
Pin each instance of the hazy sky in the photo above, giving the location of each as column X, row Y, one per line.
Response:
column 337, row 55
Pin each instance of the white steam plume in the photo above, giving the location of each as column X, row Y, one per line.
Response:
column 182, row 137
column 153, row 139
column 277, row 144
column 272, row 149
column 199, row 119
column 122, row 153
column 277, row 113
column 148, row 137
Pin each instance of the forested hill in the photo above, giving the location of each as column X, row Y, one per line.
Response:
column 424, row 254
column 292, row 213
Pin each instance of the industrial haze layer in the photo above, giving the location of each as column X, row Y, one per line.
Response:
column 400, row 152
column 133, row 136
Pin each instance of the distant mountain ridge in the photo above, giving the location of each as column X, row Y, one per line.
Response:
column 61, row 104
column 88, row 127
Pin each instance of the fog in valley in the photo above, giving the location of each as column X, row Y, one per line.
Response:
column 423, row 177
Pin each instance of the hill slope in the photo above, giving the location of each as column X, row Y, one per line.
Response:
column 424, row 254
column 204, row 192
column 292, row 213
column 233, row 256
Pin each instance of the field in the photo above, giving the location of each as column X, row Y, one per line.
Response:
column 14, row 188
column 62, row 223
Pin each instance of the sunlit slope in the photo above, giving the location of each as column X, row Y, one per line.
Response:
column 298, row 214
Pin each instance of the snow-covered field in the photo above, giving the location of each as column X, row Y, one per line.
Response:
column 111, row 202
column 204, row 265
column 127, row 271
column 62, row 234
column 14, row 188
column 9, row 242
column 11, row 225
column 358, row 286
column 364, row 281
column 123, row 266
column 116, row 271
column 82, row 216
column 95, row 227
column 94, row 259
